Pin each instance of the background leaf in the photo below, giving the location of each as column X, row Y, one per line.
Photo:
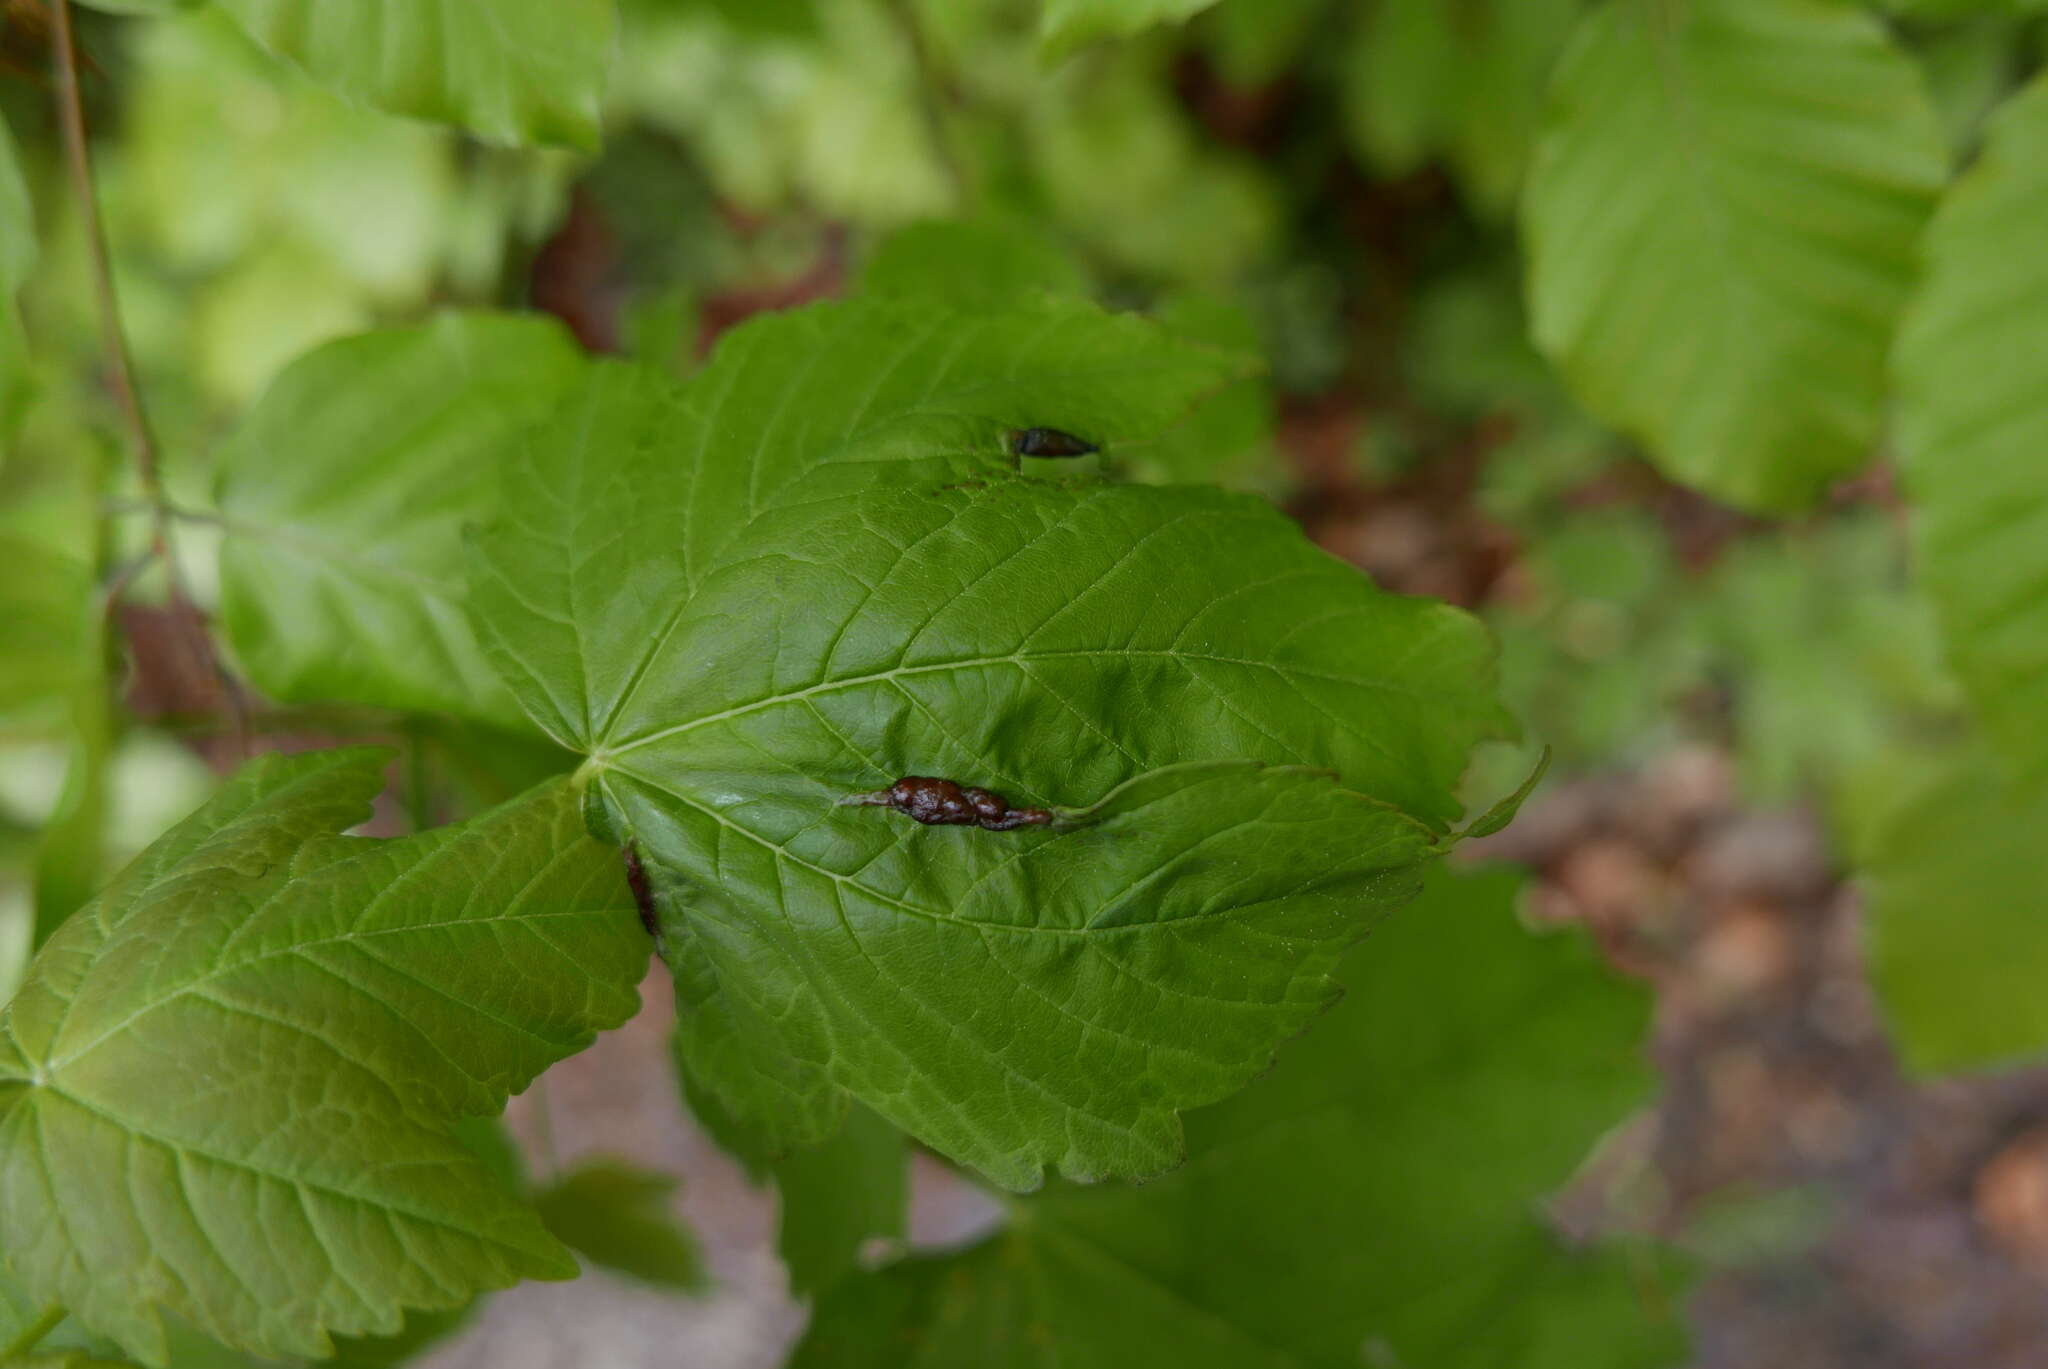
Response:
column 345, row 494
column 1720, row 226
column 1972, row 366
column 269, row 1031
column 1375, row 1190
column 1071, row 24
column 621, row 1218
column 1464, row 82
column 510, row 71
column 1949, row 854
column 837, row 1197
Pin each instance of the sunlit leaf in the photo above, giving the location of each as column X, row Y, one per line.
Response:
column 269, row 1032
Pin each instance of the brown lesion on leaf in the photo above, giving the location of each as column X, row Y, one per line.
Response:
column 946, row 803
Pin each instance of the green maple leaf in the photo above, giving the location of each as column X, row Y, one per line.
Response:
column 1253, row 750
column 1371, row 1201
column 228, row 1085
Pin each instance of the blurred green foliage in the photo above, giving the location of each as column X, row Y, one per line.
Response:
column 1607, row 286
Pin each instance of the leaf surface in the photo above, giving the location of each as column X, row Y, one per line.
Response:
column 1720, row 224
column 617, row 508
column 1376, row 1190
column 227, row 1086
column 1973, row 367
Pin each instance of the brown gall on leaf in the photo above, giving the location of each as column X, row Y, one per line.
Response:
column 943, row 803
column 1049, row 442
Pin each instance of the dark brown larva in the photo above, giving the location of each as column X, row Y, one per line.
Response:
column 1049, row 442
column 942, row 803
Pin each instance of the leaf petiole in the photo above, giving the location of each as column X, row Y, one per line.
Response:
column 32, row 1334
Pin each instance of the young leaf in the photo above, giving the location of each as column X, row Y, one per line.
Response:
column 1068, row 25
column 638, row 487
column 618, row 1218
column 1972, row 367
column 1717, row 254
column 1502, row 813
column 268, row 1031
column 510, row 71
column 1376, row 1190
column 345, row 495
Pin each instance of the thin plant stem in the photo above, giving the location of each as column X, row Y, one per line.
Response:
column 544, row 1127
column 931, row 102
column 32, row 1334
column 121, row 367
column 120, row 362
